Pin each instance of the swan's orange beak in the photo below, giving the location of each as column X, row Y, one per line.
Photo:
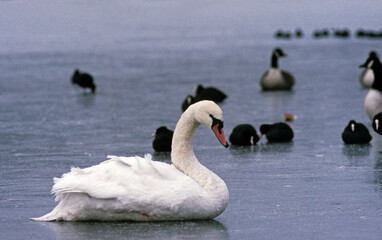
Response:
column 220, row 135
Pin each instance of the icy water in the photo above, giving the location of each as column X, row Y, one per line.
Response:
column 146, row 57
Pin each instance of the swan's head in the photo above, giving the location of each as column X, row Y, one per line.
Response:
column 209, row 114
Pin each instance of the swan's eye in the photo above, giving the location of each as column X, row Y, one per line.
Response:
column 216, row 121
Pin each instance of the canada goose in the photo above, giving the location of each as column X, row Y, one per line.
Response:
column 367, row 76
column 274, row 78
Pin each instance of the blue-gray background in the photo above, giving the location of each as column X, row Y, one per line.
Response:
column 146, row 56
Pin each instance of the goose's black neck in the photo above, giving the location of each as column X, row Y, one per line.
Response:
column 274, row 61
column 377, row 69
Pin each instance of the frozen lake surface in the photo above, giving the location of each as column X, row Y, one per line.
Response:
column 146, row 57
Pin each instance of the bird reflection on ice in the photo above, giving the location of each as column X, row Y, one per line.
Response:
column 356, row 151
column 139, row 230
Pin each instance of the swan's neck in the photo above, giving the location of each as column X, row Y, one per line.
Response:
column 183, row 158
column 182, row 154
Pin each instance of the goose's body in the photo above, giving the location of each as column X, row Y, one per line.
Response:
column 373, row 102
column 366, row 78
column 277, row 132
column 367, row 75
column 373, row 99
column 356, row 133
column 139, row 189
column 275, row 78
column 244, row 135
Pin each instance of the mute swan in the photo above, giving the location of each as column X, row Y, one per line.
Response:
column 139, row 189
column 163, row 139
column 373, row 99
column 277, row 132
column 356, row 133
column 83, row 80
column 274, row 78
column 244, row 135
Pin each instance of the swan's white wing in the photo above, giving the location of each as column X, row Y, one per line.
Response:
column 131, row 180
column 143, row 190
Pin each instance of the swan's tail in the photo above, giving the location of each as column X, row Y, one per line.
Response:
column 52, row 216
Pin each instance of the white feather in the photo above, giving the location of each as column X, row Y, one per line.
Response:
column 139, row 189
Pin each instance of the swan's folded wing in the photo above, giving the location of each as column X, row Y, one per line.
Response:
column 124, row 178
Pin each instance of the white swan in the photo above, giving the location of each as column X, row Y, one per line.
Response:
column 139, row 189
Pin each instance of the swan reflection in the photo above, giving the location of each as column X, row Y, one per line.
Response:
column 200, row 230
